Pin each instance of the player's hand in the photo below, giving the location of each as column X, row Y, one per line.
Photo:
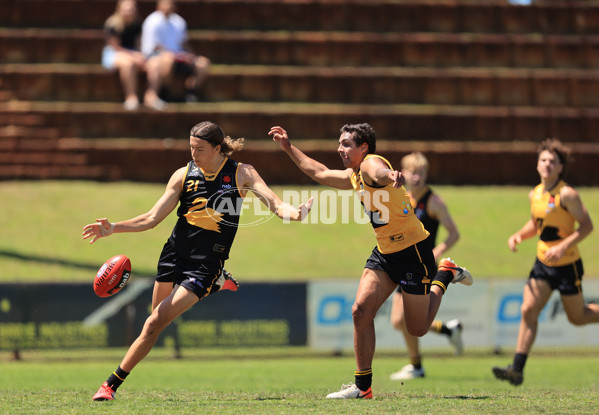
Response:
column 554, row 253
column 514, row 241
column 280, row 135
column 304, row 209
column 98, row 230
column 397, row 178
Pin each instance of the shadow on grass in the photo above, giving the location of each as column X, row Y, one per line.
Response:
column 467, row 398
column 56, row 261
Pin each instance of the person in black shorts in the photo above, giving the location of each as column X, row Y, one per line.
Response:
column 401, row 257
column 191, row 264
column 432, row 211
column 555, row 209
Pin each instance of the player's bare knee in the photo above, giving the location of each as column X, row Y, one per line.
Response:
column 529, row 313
column 417, row 331
column 154, row 324
column 576, row 320
column 361, row 314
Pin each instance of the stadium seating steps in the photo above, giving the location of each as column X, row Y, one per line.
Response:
column 474, row 84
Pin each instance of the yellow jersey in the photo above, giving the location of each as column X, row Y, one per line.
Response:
column 391, row 213
column 554, row 223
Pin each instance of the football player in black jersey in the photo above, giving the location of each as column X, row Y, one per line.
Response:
column 432, row 211
column 209, row 191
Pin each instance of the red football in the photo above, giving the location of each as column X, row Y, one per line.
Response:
column 112, row 276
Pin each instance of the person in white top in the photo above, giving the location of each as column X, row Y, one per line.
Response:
column 164, row 42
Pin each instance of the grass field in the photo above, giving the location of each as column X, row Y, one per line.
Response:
column 295, row 381
column 41, row 226
column 41, row 241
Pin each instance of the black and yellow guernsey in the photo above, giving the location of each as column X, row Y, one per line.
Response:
column 391, row 213
column 209, row 210
column 429, row 223
column 554, row 223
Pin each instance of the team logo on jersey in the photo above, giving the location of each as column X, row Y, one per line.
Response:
column 396, row 238
column 194, row 171
column 226, row 181
column 202, row 216
column 551, row 204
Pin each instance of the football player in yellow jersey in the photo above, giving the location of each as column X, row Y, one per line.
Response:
column 555, row 208
column 401, row 255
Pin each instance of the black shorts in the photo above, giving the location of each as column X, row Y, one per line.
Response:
column 197, row 276
column 567, row 279
column 412, row 268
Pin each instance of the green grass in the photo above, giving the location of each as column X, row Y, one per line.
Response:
column 41, row 225
column 295, row 381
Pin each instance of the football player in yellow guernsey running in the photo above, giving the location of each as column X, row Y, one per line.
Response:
column 191, row 264
column 555, row 209
column 400, row 257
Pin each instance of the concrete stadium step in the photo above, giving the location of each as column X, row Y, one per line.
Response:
column 361, row 49
column 490, row 16
column 436, row 86
column 319, row 121
column 474, row 163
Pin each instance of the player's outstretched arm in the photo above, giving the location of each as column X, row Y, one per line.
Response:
column 250, row 179
column 317, row 171
column 375, row 171
column 161, row 209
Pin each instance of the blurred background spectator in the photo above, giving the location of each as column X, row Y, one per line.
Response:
column 165, row 44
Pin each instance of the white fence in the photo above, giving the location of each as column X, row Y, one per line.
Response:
column 489, row 311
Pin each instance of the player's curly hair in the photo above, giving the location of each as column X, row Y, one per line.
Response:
column 209, row 131
column 563, row 152
column 361, row 133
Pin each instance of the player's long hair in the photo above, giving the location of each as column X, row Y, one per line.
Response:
column 564, row 153
column 209, row 131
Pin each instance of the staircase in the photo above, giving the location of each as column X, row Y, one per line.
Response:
column 474, row 84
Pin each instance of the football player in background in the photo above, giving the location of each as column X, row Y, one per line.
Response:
column 192, row 260
column 431, row 210
column 401, row 255
column 555, row 208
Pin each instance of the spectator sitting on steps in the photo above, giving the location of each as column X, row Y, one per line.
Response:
column 122, row 49
column 164, row 42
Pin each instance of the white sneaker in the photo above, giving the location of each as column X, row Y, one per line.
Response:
column 350, row 391
column 455, row 338
column 408, row 372
column 131, row 104
column 460, row 274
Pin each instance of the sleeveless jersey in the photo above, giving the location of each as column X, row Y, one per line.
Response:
column 429, row 223
column 554, row 223
column 209, row 210
column 391, row 213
